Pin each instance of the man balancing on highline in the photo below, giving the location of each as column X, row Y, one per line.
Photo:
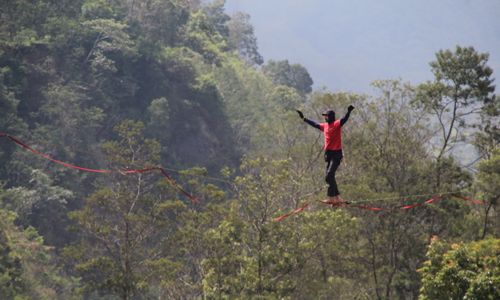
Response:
column 332, row 130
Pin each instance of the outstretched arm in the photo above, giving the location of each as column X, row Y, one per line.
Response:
column 346, row 117
column 310, row 122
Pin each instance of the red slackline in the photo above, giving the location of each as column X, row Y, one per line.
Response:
column 374, row 208
column 195, row 200
column 125, row 171
column 295, row 211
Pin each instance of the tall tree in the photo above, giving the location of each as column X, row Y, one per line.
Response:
column 386, row 159
column 462, row 86
column 126, row 226
column 242, row 38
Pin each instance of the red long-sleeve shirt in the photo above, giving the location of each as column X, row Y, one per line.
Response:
column 331, row 131
column 333, row 135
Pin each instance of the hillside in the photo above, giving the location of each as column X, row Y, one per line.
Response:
column 147, row 152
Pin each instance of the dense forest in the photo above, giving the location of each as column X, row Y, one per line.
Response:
column 180, row 84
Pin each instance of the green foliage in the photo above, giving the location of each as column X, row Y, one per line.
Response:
column 70, row 111
column 40, row 204
column 244, row 91
column 131, row 150
column 286, row 98
column 462, row 83
column 110, row 38
column 124, row 227
column 216, row 17
column 242, row 38
column 292, row 75
column 133, row 84
column 203, row 37
column 10, row 121
column 249, row 256
column 395, row 133
column 329, row 248
column 466, row 70
column 461, row 271
column 159, row 23
column 488, row 139
column 489, row 177
column 28, row 269
column 488, row 181
column 10, row 266
column 98, row 9
column 159, row 112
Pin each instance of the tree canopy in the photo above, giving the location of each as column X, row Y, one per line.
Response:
column 177, row 91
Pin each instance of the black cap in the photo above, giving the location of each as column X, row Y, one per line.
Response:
column 328, row 112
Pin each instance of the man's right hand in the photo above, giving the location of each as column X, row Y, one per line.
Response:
column 301, row 115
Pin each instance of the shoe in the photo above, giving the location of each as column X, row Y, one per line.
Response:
column 341, row 200
column 337, row 200
column 332, row 201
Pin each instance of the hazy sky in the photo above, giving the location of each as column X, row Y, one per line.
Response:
column 346, row 44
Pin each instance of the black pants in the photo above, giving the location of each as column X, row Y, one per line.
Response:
column 332, row 159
